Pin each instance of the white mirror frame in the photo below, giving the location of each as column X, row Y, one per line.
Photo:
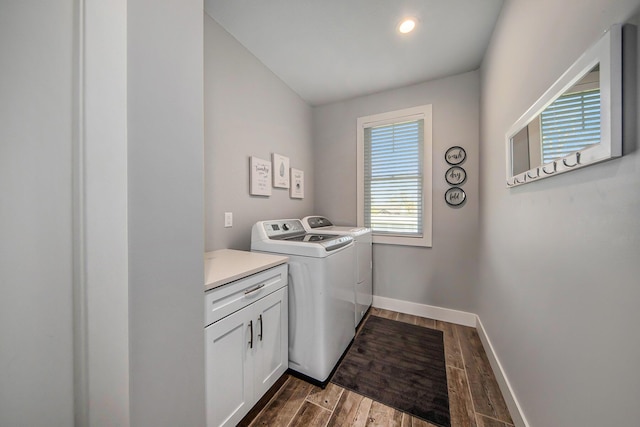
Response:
column 608, row 53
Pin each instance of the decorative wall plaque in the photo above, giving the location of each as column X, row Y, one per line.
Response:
column 455, row 155
column 297, row 184
column 260, row 175
column 455, row 196
column 456, row 175
column 280, row 171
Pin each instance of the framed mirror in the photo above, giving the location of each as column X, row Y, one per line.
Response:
column 577, row 122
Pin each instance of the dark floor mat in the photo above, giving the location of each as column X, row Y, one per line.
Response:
column 400, row 365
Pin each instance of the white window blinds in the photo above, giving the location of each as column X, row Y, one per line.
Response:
column 570, row 124
column 393, row 178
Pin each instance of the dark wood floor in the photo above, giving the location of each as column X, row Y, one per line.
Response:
column 474, row 397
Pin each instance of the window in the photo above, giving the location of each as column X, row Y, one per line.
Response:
column 569, row 124
column 394, row 176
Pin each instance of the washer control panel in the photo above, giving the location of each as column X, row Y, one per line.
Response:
column 283, row 227
column 318, row 221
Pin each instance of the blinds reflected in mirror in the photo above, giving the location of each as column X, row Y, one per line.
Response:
column 570, row 124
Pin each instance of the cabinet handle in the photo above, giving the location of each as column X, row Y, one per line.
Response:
column 251, row 332
column 260, row 320
column 252, row 290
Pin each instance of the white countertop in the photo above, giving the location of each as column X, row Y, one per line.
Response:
column 226, row 265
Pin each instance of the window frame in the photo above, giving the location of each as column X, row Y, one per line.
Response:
column 407, row 114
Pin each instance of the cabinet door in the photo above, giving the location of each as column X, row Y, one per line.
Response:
column 229, row 368
column 272, row 332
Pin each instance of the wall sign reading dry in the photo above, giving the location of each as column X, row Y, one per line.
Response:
column 456, row 175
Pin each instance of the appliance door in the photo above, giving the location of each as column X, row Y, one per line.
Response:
column 321, row 311
column 340, row 306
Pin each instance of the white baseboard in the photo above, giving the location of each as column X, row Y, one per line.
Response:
column 423, row 310
column 466, row 319
column 503, row 382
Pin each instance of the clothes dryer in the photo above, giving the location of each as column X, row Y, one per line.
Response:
column 363, row 285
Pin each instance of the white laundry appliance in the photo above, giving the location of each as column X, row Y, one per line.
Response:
column 363, row 287
column 321, row 298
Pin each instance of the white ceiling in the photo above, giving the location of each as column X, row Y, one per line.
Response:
column 331, row 50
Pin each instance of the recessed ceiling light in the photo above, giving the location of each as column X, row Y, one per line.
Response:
column 407, row 25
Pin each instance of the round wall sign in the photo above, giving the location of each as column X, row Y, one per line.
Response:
column 455, row 155
column 456, row 175
column 455, row 196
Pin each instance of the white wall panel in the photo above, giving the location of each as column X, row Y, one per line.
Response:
column 36, row 251
column 166, row 242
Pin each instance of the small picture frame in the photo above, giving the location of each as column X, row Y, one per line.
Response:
column 280, row 171
column 260, row 177
column 456, row 175
column 455, row 155
column 455, row 196
column 297, row 184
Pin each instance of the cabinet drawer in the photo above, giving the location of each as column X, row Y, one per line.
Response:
column 226, row 299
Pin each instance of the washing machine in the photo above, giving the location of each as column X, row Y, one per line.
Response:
column 321, row 298
column 363, row 286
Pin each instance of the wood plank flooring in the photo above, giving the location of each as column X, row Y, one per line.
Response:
column 474, row 397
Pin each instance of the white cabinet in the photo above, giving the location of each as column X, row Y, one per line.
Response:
column 272, row 346
column 228, row 361
column 246, row 343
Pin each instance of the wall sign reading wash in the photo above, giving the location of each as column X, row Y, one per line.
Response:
column 455, row 155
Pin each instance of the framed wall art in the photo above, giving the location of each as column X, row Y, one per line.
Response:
column 297, row 184
column 280, row 171
column 260, row 177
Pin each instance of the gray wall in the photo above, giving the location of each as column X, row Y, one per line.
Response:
column 36, row 123
column 248, row 112
column 165, row 87
column 101, row 289
column 444, row 274
column 564, row 327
